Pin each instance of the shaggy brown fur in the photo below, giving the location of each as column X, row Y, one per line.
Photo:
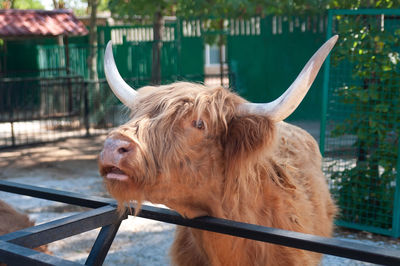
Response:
column 11, row 221
column 191, row 151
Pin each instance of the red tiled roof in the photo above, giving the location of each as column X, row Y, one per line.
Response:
column 35, row 23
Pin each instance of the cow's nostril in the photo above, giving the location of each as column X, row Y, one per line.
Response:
column 115, row 148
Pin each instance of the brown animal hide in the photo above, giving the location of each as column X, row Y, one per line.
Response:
column 187, row 147
column 11, row 221
column 206, row 151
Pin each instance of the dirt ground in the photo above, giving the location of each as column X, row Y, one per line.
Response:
column 64, row 159
column 71, row 165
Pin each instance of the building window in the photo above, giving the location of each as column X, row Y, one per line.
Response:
column 212, row 54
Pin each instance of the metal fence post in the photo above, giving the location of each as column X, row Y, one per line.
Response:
column 86, row 108
column 396, row 203
column 11, row 115
column 103, row 243
column 12, row 134
column 325, row 87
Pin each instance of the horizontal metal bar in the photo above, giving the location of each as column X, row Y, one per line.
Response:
column 52, row 231
column 40, row 142
column 55, row 79
column 12, row 254
column 324, row 245
column 55, row 195
column 318, row 244
column 40, row 118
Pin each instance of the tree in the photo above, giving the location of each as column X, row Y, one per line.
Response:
column 92, row 57
column 58, row 4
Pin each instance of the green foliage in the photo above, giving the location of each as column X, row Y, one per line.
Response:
column 28, row 4
column 365, row 190
column 216, row 8
column 355, row 4
column 103, row 5
column 21, row 4
column 291, row 7
column 129, row 10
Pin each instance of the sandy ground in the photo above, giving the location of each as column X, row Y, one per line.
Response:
column 71, row 165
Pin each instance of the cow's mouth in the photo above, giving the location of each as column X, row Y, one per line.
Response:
column 114, row 173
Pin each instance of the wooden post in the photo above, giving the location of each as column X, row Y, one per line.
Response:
column 158, row 29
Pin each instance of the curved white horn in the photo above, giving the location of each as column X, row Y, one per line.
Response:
column 121, row 89
column 282, row 107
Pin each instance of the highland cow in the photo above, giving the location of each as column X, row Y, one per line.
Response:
column 207, row 151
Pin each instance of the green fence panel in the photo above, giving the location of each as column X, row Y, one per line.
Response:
column 23, row 58
column 267, row 59
column 20, row 56
column 134, row 52
column 181, row 55
column 264, row 54
column 190, row 50
column 360, row 135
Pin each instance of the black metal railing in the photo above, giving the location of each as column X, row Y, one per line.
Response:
column 15, row 247
column 41, row 109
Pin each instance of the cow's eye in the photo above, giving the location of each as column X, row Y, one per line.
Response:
column 199, row 124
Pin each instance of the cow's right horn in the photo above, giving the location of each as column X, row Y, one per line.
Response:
column 121, row 89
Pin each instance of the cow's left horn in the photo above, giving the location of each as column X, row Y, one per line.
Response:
column 282, row 107
column 121, row 89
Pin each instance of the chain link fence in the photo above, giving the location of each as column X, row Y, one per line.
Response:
column 360, row 127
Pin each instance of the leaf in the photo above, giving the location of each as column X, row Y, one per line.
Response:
column 382, row 108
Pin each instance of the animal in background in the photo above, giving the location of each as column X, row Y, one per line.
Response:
column 12, row 220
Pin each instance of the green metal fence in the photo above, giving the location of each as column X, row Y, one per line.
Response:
column 265, row 54
column 361, row 119
column 182, row 54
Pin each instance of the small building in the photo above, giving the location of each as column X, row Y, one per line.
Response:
column 22, row 30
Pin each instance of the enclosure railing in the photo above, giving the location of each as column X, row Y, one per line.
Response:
column 15, row 247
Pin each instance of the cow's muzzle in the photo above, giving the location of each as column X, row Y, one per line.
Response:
column 113, row 153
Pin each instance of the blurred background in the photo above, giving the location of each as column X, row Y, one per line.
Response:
column 56, row 107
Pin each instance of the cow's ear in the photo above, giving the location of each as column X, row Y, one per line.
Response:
column 247, row 136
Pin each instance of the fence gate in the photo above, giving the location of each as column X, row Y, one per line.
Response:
column 361, row 111
column 41, row 109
